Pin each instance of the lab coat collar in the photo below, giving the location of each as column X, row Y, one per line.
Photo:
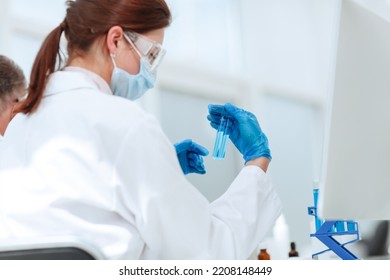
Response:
column 72, row 78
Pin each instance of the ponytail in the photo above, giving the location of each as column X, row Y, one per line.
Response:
column 44, row 65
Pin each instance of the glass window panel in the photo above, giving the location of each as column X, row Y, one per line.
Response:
column 205, row 33
column 294, row 130
column 23, row 51
column 48, row 11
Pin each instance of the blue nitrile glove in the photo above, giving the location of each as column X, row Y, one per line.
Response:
column 190, row 156
column 244, row 130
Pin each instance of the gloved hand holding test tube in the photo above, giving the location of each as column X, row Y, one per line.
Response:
column 243, row 130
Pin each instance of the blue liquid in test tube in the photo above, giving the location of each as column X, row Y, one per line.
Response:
column 318, row 220
column 340, row 226
column 351, row 226
column 221, row 139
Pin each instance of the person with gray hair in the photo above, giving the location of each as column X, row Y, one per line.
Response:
column 12, row 88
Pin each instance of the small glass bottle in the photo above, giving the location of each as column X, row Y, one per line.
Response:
column 293, row 252
column 263, row 255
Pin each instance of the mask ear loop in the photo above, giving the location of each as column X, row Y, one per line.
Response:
column 113, row 59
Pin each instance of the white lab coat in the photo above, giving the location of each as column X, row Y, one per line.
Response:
column 96, row 166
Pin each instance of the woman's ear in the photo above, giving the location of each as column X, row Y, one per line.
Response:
column 114, row 35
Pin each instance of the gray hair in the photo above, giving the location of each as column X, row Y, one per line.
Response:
column 12, row 82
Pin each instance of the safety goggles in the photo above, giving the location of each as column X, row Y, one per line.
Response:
column 152, row 51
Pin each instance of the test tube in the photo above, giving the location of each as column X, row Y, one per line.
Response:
column 221, row 139
column 351, row 226
column 317, row 220
column 340, row 226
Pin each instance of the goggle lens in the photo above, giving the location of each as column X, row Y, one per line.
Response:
column 151, row 50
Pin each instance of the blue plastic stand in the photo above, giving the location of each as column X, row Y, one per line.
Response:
column 327, row 230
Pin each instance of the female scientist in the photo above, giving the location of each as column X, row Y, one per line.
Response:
column 79, row 159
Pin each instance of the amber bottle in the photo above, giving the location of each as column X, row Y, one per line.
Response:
column 263, row 255
column 293, row 252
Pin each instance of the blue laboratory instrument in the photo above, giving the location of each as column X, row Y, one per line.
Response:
column 221, row 139
column 328, row 231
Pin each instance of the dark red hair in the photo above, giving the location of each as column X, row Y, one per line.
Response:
column 86, row 21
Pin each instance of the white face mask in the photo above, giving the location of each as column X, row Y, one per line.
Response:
column 132, row 86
